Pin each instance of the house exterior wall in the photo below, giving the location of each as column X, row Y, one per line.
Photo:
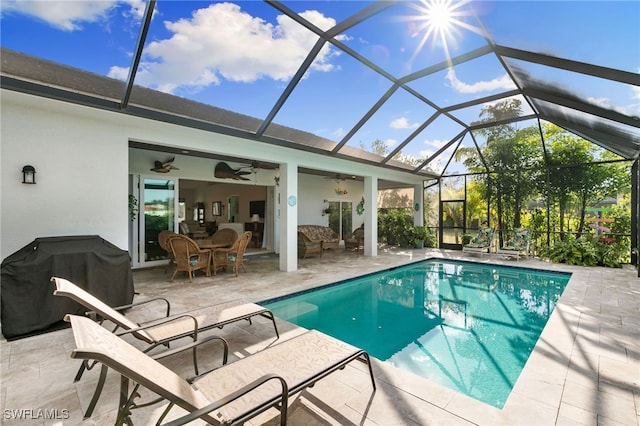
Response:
column 83, row 163
column 81, row 173
column 317, row 189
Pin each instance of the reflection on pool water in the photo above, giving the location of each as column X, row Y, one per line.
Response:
column 468, row 326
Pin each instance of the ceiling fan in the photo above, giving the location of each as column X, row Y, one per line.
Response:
column 255, row 165
column 224, row 171
column 166, row 167
column 337, row 178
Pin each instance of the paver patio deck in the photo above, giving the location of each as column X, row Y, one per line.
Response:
column 585, row 369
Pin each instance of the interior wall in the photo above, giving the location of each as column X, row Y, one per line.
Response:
column 208, row 193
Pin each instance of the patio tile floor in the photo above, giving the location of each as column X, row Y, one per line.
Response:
column 585, row 369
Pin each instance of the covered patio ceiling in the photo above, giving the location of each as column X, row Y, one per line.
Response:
column 395, row 84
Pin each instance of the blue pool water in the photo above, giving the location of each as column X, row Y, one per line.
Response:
column 465, row 325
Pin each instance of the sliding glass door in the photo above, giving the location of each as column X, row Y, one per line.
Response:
column 452, row 221
column 157, row 203
column 340, row 217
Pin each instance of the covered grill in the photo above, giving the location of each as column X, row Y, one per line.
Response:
column 27, row 300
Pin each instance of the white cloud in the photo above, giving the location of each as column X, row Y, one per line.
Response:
column 70, row 15
column 437, row 144
column 390, row 143
column 601, row 102
column 120, row 73
column 403, row 123
column 503, row 82
column 635, row 91
column 339, row 132
column 630, row 110
column 223, row 42
column 426, row 153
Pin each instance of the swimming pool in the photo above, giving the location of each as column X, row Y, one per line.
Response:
column 468, row 326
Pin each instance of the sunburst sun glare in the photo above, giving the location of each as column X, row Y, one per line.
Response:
column 438, row 15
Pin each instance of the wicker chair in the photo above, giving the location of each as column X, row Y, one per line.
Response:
column 355, row 240
column 188, row 256
column 307, row 246
column 163, row 242
column 226, row 236
column 232, row 256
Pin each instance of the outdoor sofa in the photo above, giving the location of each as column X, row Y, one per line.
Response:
column 329, row 238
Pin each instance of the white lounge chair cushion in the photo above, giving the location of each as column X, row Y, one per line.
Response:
column 210, row 316
column 296, row 360
column 214, row 315
column 95, row 342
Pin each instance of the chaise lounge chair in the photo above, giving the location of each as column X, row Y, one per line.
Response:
column 163, row 330
column 517, row 243
column 481, row 243
column 231, row 394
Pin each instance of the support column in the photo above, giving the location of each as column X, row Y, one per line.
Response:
column 370, row 216
column 635, row 215
column 288, row 206
column 418, row 205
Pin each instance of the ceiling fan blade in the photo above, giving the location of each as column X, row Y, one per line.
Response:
column 266, row 166
column 258, row 165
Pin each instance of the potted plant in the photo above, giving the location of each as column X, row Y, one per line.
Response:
column 133, row 207
column 420, row 234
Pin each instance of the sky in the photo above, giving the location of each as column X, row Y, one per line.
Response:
column 240, row 56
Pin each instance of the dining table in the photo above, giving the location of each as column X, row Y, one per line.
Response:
column 208, row 245
column 212, row 246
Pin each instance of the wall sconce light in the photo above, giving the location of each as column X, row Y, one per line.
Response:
column 29, row 174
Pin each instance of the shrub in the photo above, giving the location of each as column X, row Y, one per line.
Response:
column 610, row 251
column 572, row 251
column 587, row 251
column 394, row 226
column 420, row 236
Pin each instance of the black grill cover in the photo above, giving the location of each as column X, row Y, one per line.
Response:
column 27, row 300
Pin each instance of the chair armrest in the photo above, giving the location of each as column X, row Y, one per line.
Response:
column 191, row 345
column 284, row 397
column 145, row 301
column 162, row 321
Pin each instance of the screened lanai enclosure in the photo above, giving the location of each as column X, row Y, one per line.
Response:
column 515, row 113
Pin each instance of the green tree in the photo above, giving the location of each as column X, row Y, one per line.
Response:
column 377, row 147
column 565, row 182
column 574, row 179
column 513, row 158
